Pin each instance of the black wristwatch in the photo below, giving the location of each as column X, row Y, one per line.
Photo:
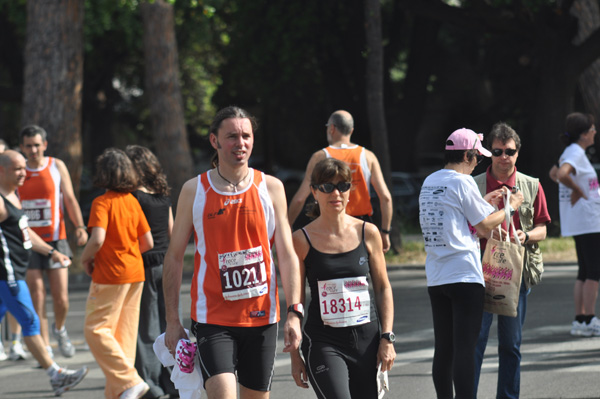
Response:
column 390, row 336
column 297, row 308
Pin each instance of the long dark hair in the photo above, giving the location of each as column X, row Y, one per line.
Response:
column 148, row 169
column 226, row 113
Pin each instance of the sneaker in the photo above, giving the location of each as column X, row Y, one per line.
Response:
column 66, row 379
column 64, row 343
column 16, row 351
column 3, row 356
column 580, row 329
column 594, row 326
column 135, row 392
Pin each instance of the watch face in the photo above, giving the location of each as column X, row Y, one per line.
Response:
column 389, row 336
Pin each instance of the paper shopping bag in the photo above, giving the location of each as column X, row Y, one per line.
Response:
column 502, row 270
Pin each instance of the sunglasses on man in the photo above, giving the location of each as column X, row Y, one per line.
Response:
column 497, row 152
column 327, row 188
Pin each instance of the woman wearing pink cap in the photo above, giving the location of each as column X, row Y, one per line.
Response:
column 453, row 216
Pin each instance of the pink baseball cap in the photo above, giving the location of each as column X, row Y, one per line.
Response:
column 466, row 139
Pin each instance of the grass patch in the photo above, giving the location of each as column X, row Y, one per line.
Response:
column 554, row 249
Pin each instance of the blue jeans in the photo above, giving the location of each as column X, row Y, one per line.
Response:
column 509, row 349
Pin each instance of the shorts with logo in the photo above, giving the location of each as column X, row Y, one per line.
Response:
column 38, row 261
column 17, row 301
column 247, row 351
column 342, row 362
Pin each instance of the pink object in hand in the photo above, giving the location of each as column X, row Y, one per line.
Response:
column 184, row 356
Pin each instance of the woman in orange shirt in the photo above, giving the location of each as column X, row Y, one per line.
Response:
column 113, row 258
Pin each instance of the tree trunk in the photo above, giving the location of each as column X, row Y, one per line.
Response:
column 54, row 77
column 588, row 14
column 375, row 106
column 163, row 93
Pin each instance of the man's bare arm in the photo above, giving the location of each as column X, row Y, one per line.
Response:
column 303, row 192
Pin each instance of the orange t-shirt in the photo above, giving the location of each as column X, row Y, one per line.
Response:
column 42, row 201
column 354, row 156
column 119, row 260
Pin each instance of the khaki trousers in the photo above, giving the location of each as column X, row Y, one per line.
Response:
column 111, row 327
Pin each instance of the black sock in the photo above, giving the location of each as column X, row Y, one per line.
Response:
column 580, row 318
column 588, row 318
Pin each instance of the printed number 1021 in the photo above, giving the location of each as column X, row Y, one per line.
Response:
column 339, row 305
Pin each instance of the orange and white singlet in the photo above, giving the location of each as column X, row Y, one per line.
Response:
column 359, row 203
column 42, row 201
column 234, row 283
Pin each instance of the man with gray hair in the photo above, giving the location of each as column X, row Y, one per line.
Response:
column 365, row 170
column 18, row 240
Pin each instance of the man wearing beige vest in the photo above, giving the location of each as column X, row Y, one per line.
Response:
column 530, row 220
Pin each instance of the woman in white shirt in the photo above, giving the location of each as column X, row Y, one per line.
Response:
column 453, row 214
column 579, row 207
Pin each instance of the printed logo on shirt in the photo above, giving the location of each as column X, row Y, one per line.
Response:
column 257, row 313
column 213, row 215
column 363, row 260
column 232, row 201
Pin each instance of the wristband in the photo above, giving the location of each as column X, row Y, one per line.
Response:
column 526, row 238
column 80, row 227
column 386, row 231
column 50, row 252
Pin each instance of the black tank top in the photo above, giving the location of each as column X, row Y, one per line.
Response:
column 322, row 266
column 14, row 244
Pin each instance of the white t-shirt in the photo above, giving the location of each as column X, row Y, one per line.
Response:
column 449, row 205
column 584, row 216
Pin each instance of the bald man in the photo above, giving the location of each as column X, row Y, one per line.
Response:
column 365, row 170
column 19, row 239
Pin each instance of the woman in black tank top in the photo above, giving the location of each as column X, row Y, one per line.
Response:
column 351, row 297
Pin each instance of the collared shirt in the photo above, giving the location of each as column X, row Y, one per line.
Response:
column 540, row 207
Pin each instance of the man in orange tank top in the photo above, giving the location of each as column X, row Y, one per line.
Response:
column 236, row 214
column 365, row 170
column 47, row 186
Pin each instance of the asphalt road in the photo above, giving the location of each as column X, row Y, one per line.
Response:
column 555, row 365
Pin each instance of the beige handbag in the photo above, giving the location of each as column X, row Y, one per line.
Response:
column 502, row 269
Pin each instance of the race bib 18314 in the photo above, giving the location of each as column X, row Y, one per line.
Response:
column 345, row 302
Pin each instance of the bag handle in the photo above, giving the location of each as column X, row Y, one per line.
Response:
column 510, row 224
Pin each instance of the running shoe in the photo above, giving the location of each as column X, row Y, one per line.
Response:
column 580, row 329
column 135, row 392
column 66, row 379
column 17, row 352
column 64, row 343
column 3, row 356
column 594, row 326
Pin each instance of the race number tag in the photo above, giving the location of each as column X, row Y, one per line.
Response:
column 345, row 301
column 23, row 226
column 243, row 274
column 38, row 211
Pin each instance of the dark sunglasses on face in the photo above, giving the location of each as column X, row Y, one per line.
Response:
column 327, row 188
column 497, row 152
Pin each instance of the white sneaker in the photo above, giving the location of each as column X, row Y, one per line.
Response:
column 66, row 379
column 594, row 326
column 3, row 356
column 135, row 392
column 64, row 343
column 17, row 352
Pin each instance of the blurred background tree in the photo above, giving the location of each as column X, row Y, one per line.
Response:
column 445, row 64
